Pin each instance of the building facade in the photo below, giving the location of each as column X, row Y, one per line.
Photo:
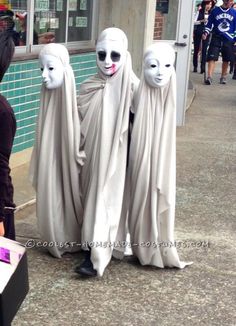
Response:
column 76, row 24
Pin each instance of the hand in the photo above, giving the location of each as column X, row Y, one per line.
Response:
column 204, row 36
column 48, row 37
column 2, row 230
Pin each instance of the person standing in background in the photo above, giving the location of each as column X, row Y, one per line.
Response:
column 7, row 24
column 201, row 18
column 222, row 24
column 7, row 133
column 23, row 32
column 233, row 63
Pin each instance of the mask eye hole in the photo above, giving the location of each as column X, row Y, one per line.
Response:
column 153, row 65
column 51, row 68
column 41, row 69
column 115, row 56
column 102, row 55
column 168, row 65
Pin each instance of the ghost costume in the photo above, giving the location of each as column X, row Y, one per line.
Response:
column 152, row 164
column 104, row 106
column 56, row 160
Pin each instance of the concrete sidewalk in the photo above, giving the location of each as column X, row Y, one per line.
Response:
column 129, row 294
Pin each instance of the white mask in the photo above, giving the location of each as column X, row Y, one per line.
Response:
column 52, row 71
column 111, row 50
column 110, row 57
column 159, row 64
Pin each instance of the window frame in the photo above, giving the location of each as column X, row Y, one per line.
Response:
column 31, row 50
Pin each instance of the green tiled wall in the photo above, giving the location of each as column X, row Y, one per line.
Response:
column 21, row 87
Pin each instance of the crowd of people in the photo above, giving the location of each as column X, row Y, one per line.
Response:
column 214, row 35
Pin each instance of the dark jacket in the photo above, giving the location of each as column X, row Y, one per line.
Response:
column 7, row 133
column 199, row 29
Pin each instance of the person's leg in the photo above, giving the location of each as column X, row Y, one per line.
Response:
column 204, row 54
column 225, row 66
column 231, row 67
column 224, row 72
column 212, row 57
column 210, row 71
column 234, row 72
column 9, row 226
column 227, row 57
column 86, row 267
column 234, row 66
column 196, row 43
column 211, row 68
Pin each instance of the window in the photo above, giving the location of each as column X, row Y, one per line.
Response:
column 162, row 6
column 60, row 21
column 50, row 20
column 79, row 22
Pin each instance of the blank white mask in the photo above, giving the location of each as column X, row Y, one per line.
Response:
column 52, row 71
column 158, row 64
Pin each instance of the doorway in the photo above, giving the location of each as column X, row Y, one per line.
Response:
column 174, row 24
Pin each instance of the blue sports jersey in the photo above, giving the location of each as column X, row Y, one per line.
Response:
column 222, row 22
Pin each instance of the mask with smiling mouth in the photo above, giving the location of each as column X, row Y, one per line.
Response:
column 111, row 50
column 158, row 64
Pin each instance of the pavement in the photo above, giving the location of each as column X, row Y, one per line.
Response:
column 129, row 294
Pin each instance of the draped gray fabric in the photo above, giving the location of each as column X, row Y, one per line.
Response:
column 56, row 161
column 152, row 170
column 104, row 106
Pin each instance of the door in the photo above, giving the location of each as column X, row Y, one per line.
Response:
column 174, row 24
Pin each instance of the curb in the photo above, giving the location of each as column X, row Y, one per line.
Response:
column 191, row 94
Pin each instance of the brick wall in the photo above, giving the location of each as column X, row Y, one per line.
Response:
column 158, row 27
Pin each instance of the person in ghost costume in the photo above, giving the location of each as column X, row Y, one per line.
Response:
column 56, row 157
column 152, row 163
column 104, row 104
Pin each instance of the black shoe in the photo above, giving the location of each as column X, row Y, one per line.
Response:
column 86, row 267
column 202, row 71
column 195, row 69
column 234, row 76
column 208, row 81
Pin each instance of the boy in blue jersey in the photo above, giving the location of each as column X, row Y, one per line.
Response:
column 222, row 24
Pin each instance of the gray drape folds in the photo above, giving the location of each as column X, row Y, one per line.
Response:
column 152, row 169
column 104, row 105
column 55, row 165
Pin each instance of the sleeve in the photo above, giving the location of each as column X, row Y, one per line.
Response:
column 210, row 24
column 235, row 27
column 196, row 21
column 7, row 131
